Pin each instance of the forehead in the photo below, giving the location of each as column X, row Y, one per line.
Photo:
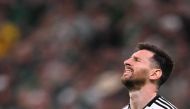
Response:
column 143, row 54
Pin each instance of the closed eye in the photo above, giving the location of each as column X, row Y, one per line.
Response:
column 136, row 59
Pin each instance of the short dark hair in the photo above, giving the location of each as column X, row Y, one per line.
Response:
column 162, row 59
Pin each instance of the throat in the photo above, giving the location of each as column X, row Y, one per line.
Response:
column 139, row 100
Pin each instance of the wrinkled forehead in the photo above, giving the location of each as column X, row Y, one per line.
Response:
column 144, row 54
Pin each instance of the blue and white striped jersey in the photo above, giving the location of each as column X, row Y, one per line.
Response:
column 158, row 102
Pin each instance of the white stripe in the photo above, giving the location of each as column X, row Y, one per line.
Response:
column 163, row 104
column 155, row 106
column 126, row 107
column 167, row 102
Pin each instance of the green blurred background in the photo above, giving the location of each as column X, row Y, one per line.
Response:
column 68, row 54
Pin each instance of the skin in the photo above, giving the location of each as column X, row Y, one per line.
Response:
column 140, row 77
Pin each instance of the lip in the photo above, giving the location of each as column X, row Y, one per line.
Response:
column 128, row 72
column 128, row 69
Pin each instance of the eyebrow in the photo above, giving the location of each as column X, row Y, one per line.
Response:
column 133, row 56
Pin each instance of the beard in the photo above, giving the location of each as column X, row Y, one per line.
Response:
column 135, row 83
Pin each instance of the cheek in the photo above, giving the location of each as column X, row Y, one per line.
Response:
column 141, row 73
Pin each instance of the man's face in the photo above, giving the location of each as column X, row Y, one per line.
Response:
column 137, row 69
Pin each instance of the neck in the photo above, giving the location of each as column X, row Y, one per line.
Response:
column 140, row 98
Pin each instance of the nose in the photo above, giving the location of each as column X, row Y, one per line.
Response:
column 127, row 62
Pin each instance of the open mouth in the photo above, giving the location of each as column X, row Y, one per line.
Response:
column 128, row 69
column 127, row 72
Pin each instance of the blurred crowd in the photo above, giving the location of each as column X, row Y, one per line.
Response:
column 68, row 54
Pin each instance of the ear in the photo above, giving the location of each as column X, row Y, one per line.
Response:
column 155, row 74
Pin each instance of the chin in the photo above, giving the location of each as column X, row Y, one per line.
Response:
column 133, row 84
column 125, row 80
